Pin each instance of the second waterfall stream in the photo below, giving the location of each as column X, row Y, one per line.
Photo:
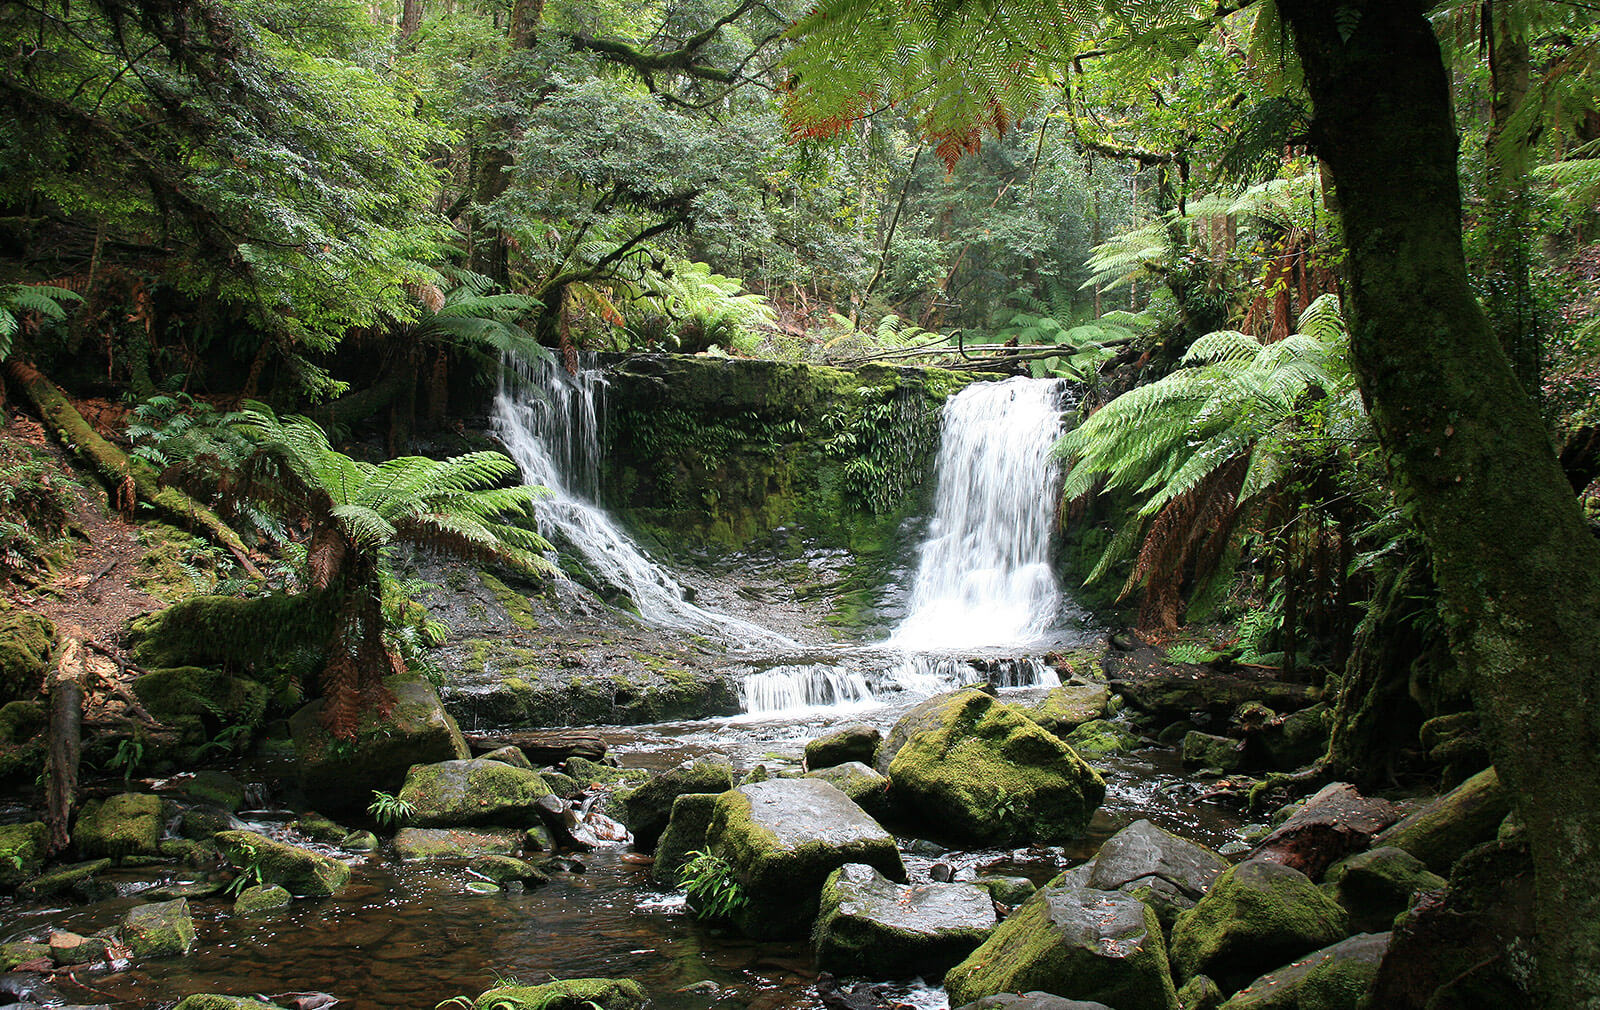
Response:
column 984, row 587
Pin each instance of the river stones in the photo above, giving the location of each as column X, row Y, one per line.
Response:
column 686, row 833
column 21, row 852
column 566, row 994
column 1032, row 1001
column 1208, row 750
column 1006, row 890
column 259, row 900
column 1069, row 706
column 476, row 791
column 783, row 838
column 1257, row 915
column 983, row 772
column 1441, row 832
column 874, row 927
column 1336, row 821
column 422, row 845
column 1100, row 738
column 128, row 824
column 1298, row 738
column 647, row 809
column 214, row 1001
column 1097, row 945
column 504, row 870
column 1377, row 885
column 1333, row 978
column 339, row 775
column 853, row 743
column 216, row 788
column 161, row 929
column 75, row 878
column 866, row 787
column 1156, row 866
column 298, row 870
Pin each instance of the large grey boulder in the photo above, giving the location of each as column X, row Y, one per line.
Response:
column 686, row 833
column 872, row 926
column 479, row 791
column 1096, row 945
column 1333, row 978
column 860, row 782
column 783, row 838
column 1156, row 866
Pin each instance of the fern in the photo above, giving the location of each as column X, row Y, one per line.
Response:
column 18, row 301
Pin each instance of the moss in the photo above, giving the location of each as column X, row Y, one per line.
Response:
column 272, row 639
column 1445, row 829
column 22, row 848
column 26, row 642
column 870, row 926
column 21, row 720
column 865, row 787
column 201, row 701
column 13, row 954
column 298, row 870
column 63, row 879
column 259, row 900
column 170, row 569
column 1207, row 750
column 512, row 602
column 685, row 833
column 213, row 1001
column 472, row 792
column 1066, row 707
column 853, row 743
column 420, row 845
column 163, row 929
column 1200, row 993
column 128, row 824
column 1098, row 738
column 1377, row 885
column 567, row 994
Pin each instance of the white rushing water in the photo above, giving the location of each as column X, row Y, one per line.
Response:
column 550, row 423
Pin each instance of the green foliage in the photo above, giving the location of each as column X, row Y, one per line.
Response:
column 19, row 302
column 128, row 757
column 885, row 439
column 389, row 810
column 37, row 503
column 713, row 888
column 250, row 874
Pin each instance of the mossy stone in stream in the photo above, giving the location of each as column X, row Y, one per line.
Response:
column 1200, row 993
column 299, row 870
column 21, row 851
column 647, row 809
column 200, row 699
column 259, row 900
column 853, row 743
column 128, row 824
column 506, row 869
column 566, row 994
column 982, row 771
column 26, row 641
column 416, row 845
column 1093, row 945
column 1333, row 978
column 1098, row 738
column 686, row 833
column 1257, row 916
column 1207, row 750
column 1069, row 706
column 13, row 954
column 866, row 787
column 217, row 788
column 478, row 791
column 63, row 879
column 161, row 929
column 214, row 1001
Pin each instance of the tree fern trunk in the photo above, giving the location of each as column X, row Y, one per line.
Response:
column 1519, row 570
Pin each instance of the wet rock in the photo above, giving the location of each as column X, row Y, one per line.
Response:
column 1096, row 945
column 647, row 809
column 1377, row 885
column 853, row 743
column 260, row 900
column 1067, row 707
column 982, row 771
column 13, row 954
column 1200, row 993
column 26, row 642
column 72, row 948
column 685, row 833
column 361, row 841
column 1256, row 916
column 1167, row 872
column 476, row 791
column 587, row 773
column 1333, row 978
column 421, row 845
column 298, row 870
column 1441, row 832
column 195, row 698
column 1297, row 739
column 1333, row 823
column 1207, row 750
column 1006, row 890
column 216, row 788
column 213, row 1001
column 73, row 877
column 860, row 782
column 783, row 838
column 1099, row 738
column 568, row 994
column 1033, row 1001
column 941, row 873
column 561, row 864
column 128, row 824
column 860, row 996
column 506, row 869
column 201, row 822
column 926, row 848
column 339, row 775
column 21, row 852
column 1169, row 698
column 512, row 756
column 162, row 929
column 319, row 828
column 869, row 925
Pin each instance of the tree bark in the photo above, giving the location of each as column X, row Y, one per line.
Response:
column 66, row 740
column 1519, row 570
column 1507, row 282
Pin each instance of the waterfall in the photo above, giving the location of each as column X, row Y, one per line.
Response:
column 550, row 423
column 984, row 577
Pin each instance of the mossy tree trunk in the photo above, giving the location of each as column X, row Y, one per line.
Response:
column 1519, row 570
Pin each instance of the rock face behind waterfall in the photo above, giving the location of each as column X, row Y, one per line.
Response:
column 981, row 771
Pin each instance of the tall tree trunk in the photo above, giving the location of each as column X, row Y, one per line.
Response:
column 1519, row 571
column 1508, row 287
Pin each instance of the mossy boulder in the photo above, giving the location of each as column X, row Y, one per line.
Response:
column 1200, row 993
column 1443, row 831
column 1207, row 750
column 872, row 926
column 1094, row 945
column 982, row 771
column 69, row 948
column 1297, row 739
column 21, row 721
column 685, row 833
column 510, row 755
column 1100, row 738
column 199, row 823
column 1377, row 885
column 296, row 869
column 647, row 809
column 866, row 787
column 128, row 824
column 13, row 954
column 566, row 994
column 271, row 639
column 26, row 642
column 421, row 845
column 1257, row 916
column 159, row 929
column 477, row 791
column 853, row 743
column 339, row 774
column 1333, row 978
column 504, row 870
column 318, row 828
column 1174, row 697
column 783, row 838
column 1069, row 706
column 200, row 700
column 217, row 788
column 1168, row 873
column 261, row 900
column 215, row 1001
column 71, row 878
column 1004, row 889
column 1033, row 1001
column 22, row 849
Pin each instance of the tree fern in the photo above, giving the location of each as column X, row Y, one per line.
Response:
column 17, row 301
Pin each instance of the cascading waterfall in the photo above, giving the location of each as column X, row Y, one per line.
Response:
column 550, row 423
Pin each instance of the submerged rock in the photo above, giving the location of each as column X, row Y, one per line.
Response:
column 476, row 791
column 982, row 771
column 783, row 838
column 128, row 824
column 1207, row 750
column 567, row 994
column 62, row 879
column 420, row 845
column 1333, row 978
column 853, row 743
column 869, row 925
column 647, row 809
column 1034, row 1001
column 21, row 851
column 1443, row 831
column 866, row 787
column 298, row 870
column 72, row 948
column 1167, row 872
column 164, row 929
column 506, row 869
column 686, row 833
column 1096, row 945
column 213, row 1001
column 1256, row 916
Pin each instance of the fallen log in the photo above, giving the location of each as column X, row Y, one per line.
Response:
column 542, row 747
column 64, row 756
column 123, row 475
